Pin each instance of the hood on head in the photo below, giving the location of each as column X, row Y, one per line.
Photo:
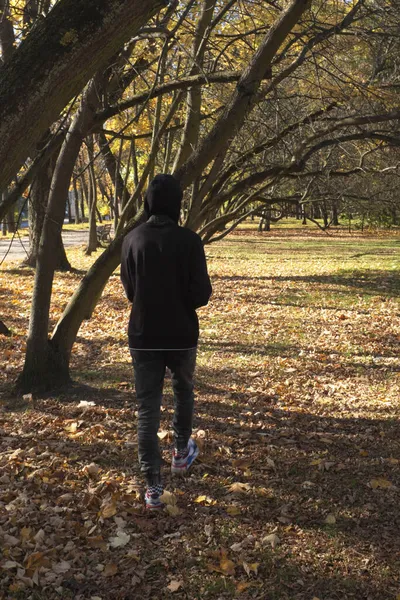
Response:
column 163, row 197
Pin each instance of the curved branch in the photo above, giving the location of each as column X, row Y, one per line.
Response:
column 165, row 88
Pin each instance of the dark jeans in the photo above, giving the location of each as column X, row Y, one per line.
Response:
column 149, row 367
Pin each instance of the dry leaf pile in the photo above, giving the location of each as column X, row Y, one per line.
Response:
column 296, row 491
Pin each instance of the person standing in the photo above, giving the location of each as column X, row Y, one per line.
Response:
column 164, row 274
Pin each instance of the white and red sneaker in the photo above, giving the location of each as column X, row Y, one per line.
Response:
column 182, row 460
column 153, row 497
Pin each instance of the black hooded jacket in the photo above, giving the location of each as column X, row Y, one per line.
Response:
column 164, row 273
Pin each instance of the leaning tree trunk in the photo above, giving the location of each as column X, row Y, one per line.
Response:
column 97, row 29
column 52, row 65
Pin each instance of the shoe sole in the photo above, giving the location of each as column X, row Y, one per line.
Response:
column 158, row 507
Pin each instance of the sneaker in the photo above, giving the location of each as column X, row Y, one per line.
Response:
column 183, row 460
column 153, row 497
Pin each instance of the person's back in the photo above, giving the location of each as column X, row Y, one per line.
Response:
column 164, row 273
column 166, row 282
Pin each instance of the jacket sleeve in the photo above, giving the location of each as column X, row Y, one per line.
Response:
column 199, row 282
column 127, row 271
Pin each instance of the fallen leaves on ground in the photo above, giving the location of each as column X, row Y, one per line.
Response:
column 297, row 409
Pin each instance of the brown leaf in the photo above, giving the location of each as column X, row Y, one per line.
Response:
column 271, row 539
column 110, row 570
column 37, row 560
column 173, row 510
column 97, row 542
column 175, row 585
column 239, row 488
column 242, row 463
column 108, row 510
column 242, row 586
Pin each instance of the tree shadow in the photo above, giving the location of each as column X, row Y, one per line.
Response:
column 368, row 281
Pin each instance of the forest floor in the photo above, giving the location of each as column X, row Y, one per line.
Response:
column 296, row 492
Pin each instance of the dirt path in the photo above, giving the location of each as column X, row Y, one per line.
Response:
column 17, row 248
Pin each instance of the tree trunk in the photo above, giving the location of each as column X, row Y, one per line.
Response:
column 92, row 242
column 121, row 194
column 37, row 209
column 335, row 217
column 76, row 202
column 69, row 210
column 37, row 203
column 11, row 225
column 52, row 65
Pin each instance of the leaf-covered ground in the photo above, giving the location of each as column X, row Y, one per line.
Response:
column 296, row 495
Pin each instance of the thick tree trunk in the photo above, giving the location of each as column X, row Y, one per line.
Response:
column 37, row 209
column 54, row 62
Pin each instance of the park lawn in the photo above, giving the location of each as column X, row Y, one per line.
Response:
column 296, row 493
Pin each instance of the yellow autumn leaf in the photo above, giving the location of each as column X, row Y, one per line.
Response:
column 168, row 498
column 233, row 510
column 251, row 568
column 200, row 499
column 380, row 482
column 205, row 500
column 172, row 509
column 227, row 566
column 71, row 427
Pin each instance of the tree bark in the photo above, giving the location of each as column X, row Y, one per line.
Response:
column 38, row 199
column 52, row 65
column 76, row 202
column 92, row 242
